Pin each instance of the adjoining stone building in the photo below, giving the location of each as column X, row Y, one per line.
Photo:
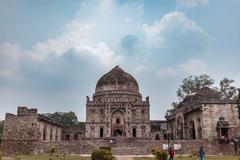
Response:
column 158, row 129
column 26, row 128
column 204, row 115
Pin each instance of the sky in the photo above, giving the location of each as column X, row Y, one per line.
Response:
column 52, row 53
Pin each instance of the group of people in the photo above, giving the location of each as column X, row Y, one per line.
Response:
column 112, row 142
column 172, row 153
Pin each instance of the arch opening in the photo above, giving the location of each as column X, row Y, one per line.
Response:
column 134, row 132
column 192, row 130
column 157, row 137
column 117, row 132
column 101, row 132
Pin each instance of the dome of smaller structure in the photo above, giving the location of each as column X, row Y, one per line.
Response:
column 117, row 79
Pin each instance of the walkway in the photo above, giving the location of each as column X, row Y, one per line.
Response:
column 124, row 158
column 130, row 157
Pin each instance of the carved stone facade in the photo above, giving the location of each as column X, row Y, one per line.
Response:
column 201, row 115
column 117, row 108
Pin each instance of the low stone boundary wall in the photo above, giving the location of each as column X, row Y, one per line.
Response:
column 126, row 146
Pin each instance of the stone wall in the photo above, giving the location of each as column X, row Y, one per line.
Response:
column 12, row 147
column 123, row 147
column 211, row 115
column 21, row 127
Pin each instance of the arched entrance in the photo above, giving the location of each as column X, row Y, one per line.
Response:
column 117, row 132
column 192, row 130
column 118, row 123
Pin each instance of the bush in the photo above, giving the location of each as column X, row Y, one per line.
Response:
column 53, row 150
column 154, row 151
column 102, row 154
column 159, row 154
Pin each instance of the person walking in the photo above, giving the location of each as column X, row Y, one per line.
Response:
column 115, row 142
column 111, row 142
column 171, row 153
column 201, row 154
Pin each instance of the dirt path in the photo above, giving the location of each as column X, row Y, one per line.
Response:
column 124, row 158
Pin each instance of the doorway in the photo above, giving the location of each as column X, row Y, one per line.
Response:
column 117, row 132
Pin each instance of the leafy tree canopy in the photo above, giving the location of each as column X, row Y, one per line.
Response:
column 228, row 91
column 194, row 83
column 67, row 119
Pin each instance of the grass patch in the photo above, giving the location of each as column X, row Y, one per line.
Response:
column 69, row 157
column 189, row 158
column 47, row 157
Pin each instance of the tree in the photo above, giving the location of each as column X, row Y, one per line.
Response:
column 174, row 105
column 67, row 119
column 227, row 90
column 194, row 83
column 1, row 128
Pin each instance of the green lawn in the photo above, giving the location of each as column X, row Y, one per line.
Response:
column 46, row 157
column 189, row 158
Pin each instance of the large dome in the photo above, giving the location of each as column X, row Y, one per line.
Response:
column 117, row 79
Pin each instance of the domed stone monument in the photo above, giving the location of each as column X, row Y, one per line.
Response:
column 117, row 108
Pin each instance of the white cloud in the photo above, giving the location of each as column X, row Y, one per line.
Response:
column 191, row 67
column 192, row 3
column 139, row 69
column 102, row 52
column 74, row 37
column 10, row 56
column 172, row 23
column 168, row 71
column 194, row 66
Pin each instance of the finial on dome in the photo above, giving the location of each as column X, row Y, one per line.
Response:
column 117, row 66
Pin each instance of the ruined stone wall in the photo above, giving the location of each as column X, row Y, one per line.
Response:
column 24, row 127
column 211, row 115
column 21, row 132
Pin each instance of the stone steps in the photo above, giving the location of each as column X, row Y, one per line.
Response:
column 129, row 151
